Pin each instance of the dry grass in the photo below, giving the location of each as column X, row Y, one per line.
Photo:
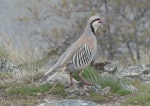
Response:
column 30, row 95
column 15, row 55
column 142, row 98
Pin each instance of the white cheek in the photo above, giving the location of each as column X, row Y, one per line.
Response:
column 96, row 25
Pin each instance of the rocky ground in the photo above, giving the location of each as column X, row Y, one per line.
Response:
column 12, row 77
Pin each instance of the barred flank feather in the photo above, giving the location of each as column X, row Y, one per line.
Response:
column 82, row 56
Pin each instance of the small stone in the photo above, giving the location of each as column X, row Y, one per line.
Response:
column 38, row 94
column 97, row 88
column 136, row 102
column 111, row 67
column 106, row 90
column 129, row 87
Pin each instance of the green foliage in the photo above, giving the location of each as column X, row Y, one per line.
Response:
column 59, row 90
column 96, row 97
column 123, row 92
column 33, row 90
column 110, row 81
column 29, row 90
column 2, row 87
column 93, row 76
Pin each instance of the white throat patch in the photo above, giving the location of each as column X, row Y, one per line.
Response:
column 95, row 25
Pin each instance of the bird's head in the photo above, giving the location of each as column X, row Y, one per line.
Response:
column 95, row 21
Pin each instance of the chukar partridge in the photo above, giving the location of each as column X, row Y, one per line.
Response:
column 80, row 54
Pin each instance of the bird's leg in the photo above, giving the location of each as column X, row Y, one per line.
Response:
column 71, row 82
column 83, row 81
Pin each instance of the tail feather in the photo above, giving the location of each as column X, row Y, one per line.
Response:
column 51, row 71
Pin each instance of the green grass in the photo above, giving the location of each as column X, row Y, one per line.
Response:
column 2, row 87
column 59, row 90
column 92, row 75
column 29, row 90
column 33, row 90
column 96, row 97
column 122, row 92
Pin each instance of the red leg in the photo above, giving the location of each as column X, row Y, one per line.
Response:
column 71, row 78
column 82, row 80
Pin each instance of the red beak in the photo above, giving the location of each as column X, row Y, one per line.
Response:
column 101, row 20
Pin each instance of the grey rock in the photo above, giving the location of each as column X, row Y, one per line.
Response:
column 106, row 90
column 135, row 70
column 140, row 72
column 60, row 76
column 147, row 65
column 111, row 67
column 69, row 102
column 97, row 88
column 77, row 90
column 8, row 67
column 129, row 87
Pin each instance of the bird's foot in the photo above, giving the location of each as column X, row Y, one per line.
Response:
column 85, row 82
column 81, row 84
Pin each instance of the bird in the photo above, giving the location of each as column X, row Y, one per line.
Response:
column 81, row 53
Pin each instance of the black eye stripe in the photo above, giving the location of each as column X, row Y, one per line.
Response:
column 95, row 20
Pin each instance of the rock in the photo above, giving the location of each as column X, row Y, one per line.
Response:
column 97, row 88
column 106, row 66
column 129, row 87
column 147, row 65
column 106, row 90
column 111, row 67
column 99, row 65
column 140, row 72
column 8, row 67
column 75, row 102
column 69, row 102
column 60, row 76
column 75, row 90
column 135, row 70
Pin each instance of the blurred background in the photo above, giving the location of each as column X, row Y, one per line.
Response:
column 29, row 29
